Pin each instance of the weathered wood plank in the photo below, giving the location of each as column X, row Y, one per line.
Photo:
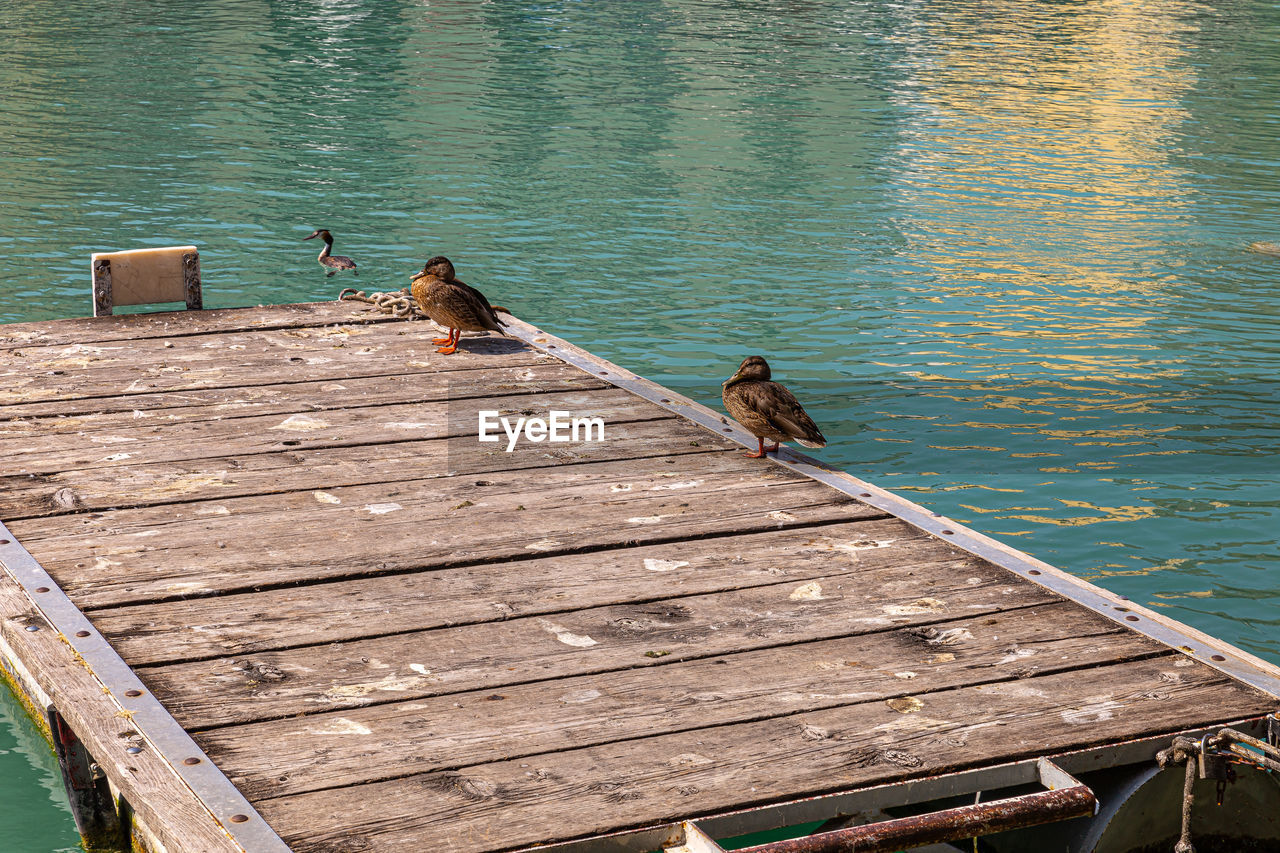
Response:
column 258, row 621
column 239, row 358
column 162, row 801
column 164, row 552
column 135, row 485
column 242, row 436
column 96, row 414
column 640, row 782
column 357, row 746
column 470, row 657
column 160, row 324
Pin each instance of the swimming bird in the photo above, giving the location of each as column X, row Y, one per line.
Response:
column 457, row 306
column 767, row 409
column 333, row 262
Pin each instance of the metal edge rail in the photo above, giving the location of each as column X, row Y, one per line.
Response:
column 153, row 722
column 1206, row 649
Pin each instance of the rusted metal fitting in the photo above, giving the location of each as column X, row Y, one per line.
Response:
column 947, row 825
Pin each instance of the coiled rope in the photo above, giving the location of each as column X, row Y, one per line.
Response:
column 397, row 302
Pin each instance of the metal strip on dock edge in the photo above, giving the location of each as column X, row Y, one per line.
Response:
column 154, row 723
column 1204, row 648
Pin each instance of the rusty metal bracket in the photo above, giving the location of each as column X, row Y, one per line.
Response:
column 1064, row 798
column 191, row 281
column 88, row 791
column 102, row 303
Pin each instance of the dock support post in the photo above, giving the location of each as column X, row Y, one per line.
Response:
column 191, row 280
column 88, row 791
column 102, row 303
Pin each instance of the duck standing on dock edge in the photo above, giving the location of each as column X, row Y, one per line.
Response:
column 457, row 306
column 767, row 409
column 333, row 262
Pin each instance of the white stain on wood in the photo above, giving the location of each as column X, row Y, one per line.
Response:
column 1098, row 708
column 390, row 684
column 566, row 636
column 645, row 519
column 687, row 484
column 382, row 509
column 1017, row 655
column 419, row 668
column 408, row 425
column 856, row 545
column 117, row 457
column 664, row 565
column 811, row 591
column 301, row 423
column 342, row 726
column 543, row 545
column 620, row 487
column 326, row 498
column 916, row 608
column 577, row 697
column 781, row 515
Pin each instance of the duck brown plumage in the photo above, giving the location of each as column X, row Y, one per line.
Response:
column 451, row 303
column 767, row 409
column 333, row 262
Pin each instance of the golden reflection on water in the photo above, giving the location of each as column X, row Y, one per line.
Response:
column 1023, row 173
column 1032, row 147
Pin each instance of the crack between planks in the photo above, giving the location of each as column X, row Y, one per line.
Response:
column 658, row 662
column 658, row 417
column 747, row 720
column 542, row 358
column 772, row 479
column 561, row 552
column 373, row 318
column 529, row 614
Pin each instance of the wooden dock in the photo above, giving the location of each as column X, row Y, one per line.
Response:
column 292, row 603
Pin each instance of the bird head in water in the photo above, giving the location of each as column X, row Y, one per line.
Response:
column 322, row 234
column 439, row 266
column 752, row 367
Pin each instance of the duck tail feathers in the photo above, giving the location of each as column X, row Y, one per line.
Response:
column 807, row 442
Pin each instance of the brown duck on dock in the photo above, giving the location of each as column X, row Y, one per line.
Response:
column 767, row 409
column 457, row 306
column 333, row 262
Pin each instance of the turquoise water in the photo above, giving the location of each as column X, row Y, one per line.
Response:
column 1000, row 249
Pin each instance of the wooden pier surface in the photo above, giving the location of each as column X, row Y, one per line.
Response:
column 260, row 510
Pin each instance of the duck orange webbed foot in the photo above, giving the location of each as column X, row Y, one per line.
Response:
column 759, row 454
column 450, row 350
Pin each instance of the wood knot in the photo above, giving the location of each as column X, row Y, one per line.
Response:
column 260, row 670
column 66, row 499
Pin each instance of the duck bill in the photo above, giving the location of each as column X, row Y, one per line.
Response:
column 418, row 275
column 737, row 377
